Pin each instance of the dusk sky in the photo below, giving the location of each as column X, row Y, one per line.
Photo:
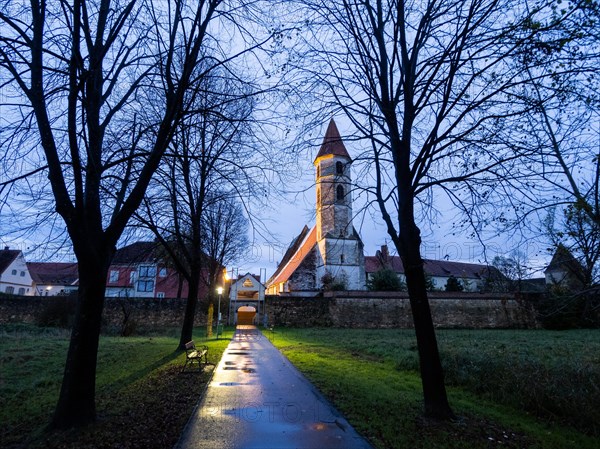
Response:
column 286, row 218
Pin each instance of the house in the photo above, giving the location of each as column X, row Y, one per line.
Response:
column 471, row 276
column 247, row 300
column 15, row 278
column 565, row 270
column 331, row 255
column 331, row 251
column 139, row 270
column 54, row 278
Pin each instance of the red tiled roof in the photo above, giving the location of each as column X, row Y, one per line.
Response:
column 137, row 252
column 53, row 272
column 297, row 252
column 332, row 143
column 7, row 256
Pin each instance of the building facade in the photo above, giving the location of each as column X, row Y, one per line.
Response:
column 15, row 278
column 331, row 252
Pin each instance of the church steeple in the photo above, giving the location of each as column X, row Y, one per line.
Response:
column 332, row 144
column 340, row 250
column 334, row 199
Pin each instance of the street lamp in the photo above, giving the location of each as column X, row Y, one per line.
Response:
column 220, row 292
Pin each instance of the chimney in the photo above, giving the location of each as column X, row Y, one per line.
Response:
column 384, row 252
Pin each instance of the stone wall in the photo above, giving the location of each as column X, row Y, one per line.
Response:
column 146, row 312
column 294, row 311
column 332, row 309
column 392, row 310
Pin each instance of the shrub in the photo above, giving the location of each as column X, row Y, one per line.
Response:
column 562, row 310
column 385, row 280
column 454, row 285
column 561, row 391
column 333, row 283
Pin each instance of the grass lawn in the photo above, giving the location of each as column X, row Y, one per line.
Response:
column 519, row 389
column 142, row 399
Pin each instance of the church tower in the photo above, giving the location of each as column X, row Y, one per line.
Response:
column 340, row 248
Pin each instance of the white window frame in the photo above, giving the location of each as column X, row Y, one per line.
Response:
column 147, row 271
column 145, row 285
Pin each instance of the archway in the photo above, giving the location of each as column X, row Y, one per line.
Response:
column 246, row 315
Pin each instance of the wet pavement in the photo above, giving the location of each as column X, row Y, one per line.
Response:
column 258, row 399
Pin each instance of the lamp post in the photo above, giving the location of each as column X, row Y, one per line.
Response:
column 220, row 292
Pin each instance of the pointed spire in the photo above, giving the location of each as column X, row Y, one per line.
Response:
column 332, row 143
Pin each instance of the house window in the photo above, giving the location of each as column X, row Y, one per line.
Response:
column 14, row 272
column 114, row 275
column 342, row 259
column 339, row 168
column 160, row 295
column 10, row 290
column 22, row 274
column 340, row 193
column 163, row 272
column 147, row 271
column 21, row 291
column 145, row 286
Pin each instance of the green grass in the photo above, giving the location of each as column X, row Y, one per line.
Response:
column 133, row 374
column 499, row 383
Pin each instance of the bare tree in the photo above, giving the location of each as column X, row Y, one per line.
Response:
column 225, row 234
column 430, row 86
column 96, row 90
column 563, row 126
column 214, row 148
column 580, row 235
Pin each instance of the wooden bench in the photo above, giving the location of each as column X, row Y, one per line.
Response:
column 194, row 354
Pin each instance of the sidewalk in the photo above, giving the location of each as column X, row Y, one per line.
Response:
column 258, row 399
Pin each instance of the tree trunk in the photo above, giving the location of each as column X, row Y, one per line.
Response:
column 432, row 375
column 76, row 404
column 179, row 285
column 190, row 308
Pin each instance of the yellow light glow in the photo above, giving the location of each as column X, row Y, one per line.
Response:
column 220, row 290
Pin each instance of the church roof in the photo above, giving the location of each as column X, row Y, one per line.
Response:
column 298, row 250
column 332, row 143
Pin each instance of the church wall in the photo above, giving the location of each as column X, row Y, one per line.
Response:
column 392, row 310
column 304, row 278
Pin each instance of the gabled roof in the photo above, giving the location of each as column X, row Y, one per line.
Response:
column 438, row 268
column 7, row 256
column 563, row 259
column 136, row 253
column 296, row 253
column 332, row 143
column 250, row 276
column 53, row 273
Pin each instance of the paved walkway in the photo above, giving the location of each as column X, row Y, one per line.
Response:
column 258, row 399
